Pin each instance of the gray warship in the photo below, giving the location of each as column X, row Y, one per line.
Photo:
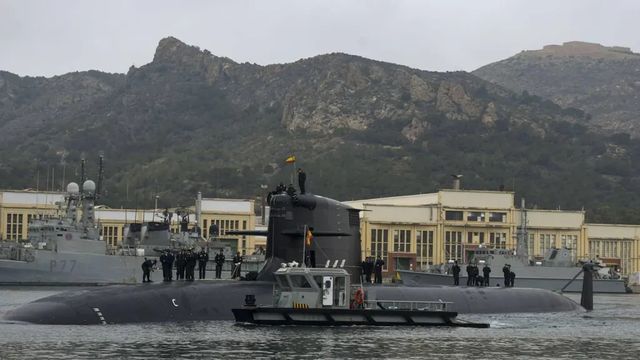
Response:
column 557, row 271
column 66, row 249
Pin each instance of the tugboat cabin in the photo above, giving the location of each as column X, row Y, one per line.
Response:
column 312, row 288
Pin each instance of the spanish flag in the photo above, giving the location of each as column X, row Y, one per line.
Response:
column 290, row 160
column 308, row 237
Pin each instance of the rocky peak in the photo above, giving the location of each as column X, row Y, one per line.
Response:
column 173, row 51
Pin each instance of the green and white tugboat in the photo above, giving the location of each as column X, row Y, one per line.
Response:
column 325, row 296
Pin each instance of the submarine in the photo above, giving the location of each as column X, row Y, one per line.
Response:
column 336, row 239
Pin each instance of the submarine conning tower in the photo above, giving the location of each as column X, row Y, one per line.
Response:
column 334, row 227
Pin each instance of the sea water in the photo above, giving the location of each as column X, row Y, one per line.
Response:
column 611, row 331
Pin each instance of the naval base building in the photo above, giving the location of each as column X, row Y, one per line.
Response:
column 429, row 230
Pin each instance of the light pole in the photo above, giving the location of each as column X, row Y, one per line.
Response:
column 155, row 209
column 264, row 188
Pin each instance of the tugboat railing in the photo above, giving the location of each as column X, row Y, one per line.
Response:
column 407, row 305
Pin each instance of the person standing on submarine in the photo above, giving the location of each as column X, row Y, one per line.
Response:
column 203, row 259
column 507, row 275
column 455, row 270
column 302, row 178
column 378, row 270
column 486, row 270
column 219, row 260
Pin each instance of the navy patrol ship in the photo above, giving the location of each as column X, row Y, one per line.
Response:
column 557, row 271
column 67, row 250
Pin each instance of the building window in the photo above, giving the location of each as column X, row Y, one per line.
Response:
column 475, row 216
column 497, row 217
column 453, row 245
column 424, row 240
column 453, row 215
column 14, row 226
column 205, row 229
column 110, row 234
column 380, row 243
column 475, row 237
column 547, row 242
column 498, row 240
column 401, row 240
column 531, row 244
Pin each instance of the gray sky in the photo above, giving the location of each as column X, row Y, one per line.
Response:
column 47, row 37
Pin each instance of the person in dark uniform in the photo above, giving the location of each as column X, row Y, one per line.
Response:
column 378, row 270
column 147, row 265
column 302, row 177
column 512, row 278
column 476, row 275
column 203, row 258
column 180, row 265
column 507, row 274
column 163, row 262
column 486, row 270
column 191, row 265
column 170, row 259
column 219, row 260
column 469, row 269
column 369, row 269
column 455, row 270
column 291, row 191
column 237, row 266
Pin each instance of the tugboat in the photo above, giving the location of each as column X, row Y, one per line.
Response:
column 325, row 297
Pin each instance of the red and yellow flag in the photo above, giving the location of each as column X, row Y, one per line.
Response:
column 290, row 160
column 308, row 237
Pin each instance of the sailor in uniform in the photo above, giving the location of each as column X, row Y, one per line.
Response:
column 455, row 270
column 219, row 260
column 203, row 258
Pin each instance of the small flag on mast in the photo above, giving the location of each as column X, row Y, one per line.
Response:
column 291, row 159
column 308, row 237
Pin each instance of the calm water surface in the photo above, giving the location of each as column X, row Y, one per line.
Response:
column 612, row 331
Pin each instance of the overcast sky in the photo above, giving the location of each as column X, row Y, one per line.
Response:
column 47, row 37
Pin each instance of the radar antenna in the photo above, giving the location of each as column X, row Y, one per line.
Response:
column 99, row 185
column 83, row 174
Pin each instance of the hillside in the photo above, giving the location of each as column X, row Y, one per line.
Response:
column 603, row 81
column 190, row 121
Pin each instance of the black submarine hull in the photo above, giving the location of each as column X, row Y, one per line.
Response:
column 214, row 300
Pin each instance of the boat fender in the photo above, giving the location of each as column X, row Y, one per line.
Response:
column 359, row 297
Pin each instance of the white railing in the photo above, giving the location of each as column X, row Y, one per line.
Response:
column 407, row 305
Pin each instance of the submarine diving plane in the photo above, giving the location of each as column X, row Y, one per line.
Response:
column 336, row 230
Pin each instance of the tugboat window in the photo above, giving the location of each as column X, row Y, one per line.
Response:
column 299, row 281
column 282, row 282
column 339, row 291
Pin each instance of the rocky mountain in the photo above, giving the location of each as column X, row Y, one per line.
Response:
column 190, row 121
column 603, row 81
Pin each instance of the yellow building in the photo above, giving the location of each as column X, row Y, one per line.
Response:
column 18, row 207
column 418, row 231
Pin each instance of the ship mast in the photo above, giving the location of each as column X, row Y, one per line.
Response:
column 523, row 237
